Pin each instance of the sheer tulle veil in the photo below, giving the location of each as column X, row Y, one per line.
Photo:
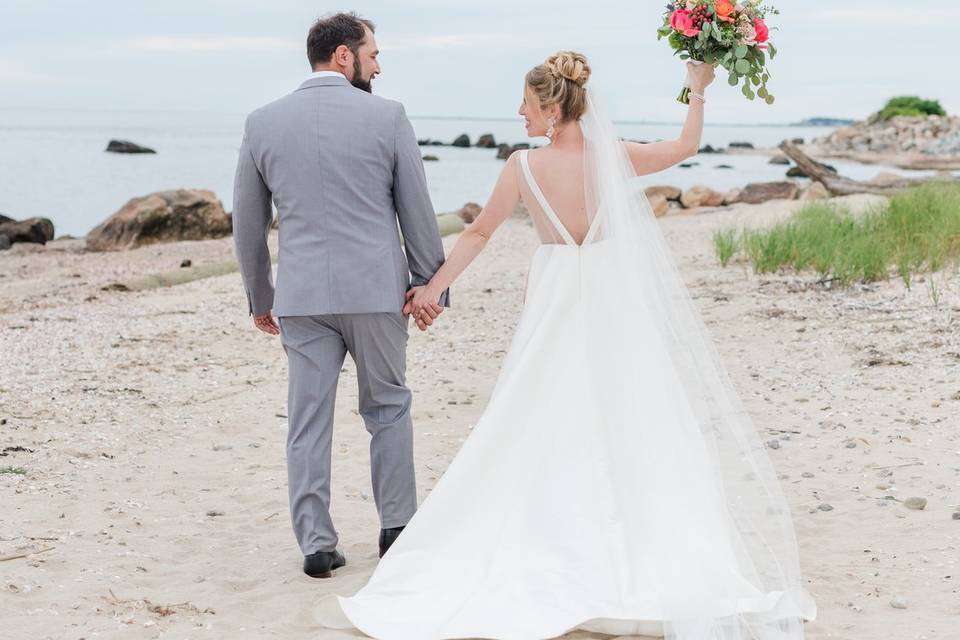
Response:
column 708, row 423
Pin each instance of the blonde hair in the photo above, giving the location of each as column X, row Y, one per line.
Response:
column 560, row 80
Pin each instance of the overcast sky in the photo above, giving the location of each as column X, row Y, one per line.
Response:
column 460, row 58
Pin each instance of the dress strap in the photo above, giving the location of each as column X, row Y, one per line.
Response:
column 542, row 199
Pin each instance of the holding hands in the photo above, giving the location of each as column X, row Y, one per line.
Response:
column 422, row 304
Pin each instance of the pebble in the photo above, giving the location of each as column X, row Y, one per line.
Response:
column 806, row 474
column 851, row 444
column 915, row 503
column 773, row 444
column 214, row 513
column 186, row 263
column 824, row 507
column 956, row 515
column 898, row 602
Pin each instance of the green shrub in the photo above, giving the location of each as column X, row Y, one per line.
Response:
column 910, row 106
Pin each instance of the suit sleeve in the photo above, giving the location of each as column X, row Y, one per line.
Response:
column 418, row 221
column 252, row 219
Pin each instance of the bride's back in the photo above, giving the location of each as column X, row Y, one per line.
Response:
column 559, row 175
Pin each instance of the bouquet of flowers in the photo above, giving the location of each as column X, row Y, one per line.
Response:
column 719, row 32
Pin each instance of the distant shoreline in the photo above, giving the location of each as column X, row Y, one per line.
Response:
column 413, row 117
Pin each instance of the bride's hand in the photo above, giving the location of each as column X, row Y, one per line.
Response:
column 422, row 304
column 701, row 75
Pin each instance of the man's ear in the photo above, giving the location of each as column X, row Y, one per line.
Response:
column 342, row 55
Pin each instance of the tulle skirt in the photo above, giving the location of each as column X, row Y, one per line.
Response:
column 585, row 496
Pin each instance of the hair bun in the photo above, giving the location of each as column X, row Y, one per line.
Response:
column 570, row 65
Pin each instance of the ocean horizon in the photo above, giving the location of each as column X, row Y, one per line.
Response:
column 55, row 165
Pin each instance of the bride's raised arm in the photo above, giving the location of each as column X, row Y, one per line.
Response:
column 502, row 202
column 657, row 156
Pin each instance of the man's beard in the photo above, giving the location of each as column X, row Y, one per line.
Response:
column 358, row 81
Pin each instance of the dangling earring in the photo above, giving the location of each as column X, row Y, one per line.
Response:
column 550, row 130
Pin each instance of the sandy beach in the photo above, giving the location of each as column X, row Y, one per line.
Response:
column 149, row 428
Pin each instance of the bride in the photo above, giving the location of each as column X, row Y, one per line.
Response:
column 614, row 483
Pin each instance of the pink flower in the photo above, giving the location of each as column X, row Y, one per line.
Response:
column 763, row 33
column 682, row 22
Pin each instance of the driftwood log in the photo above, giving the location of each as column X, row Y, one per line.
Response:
column 841, row 186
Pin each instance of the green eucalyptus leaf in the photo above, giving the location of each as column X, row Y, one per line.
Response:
column 733, row 80
column 769, row 99
column 741, row 51
column 742, row 67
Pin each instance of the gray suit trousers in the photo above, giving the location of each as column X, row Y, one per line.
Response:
column 316, row 347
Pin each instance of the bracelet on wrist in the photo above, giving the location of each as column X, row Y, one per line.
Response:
column 698, row 96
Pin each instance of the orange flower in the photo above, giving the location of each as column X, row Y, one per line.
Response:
column 724, row 8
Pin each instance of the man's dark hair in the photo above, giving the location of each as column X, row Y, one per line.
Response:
column 330, row 32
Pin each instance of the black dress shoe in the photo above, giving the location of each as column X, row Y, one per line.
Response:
column 388, row 537
column 321, row 563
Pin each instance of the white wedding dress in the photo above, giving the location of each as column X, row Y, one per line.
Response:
column 613, row 483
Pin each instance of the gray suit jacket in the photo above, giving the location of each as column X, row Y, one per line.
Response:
column 343, row 168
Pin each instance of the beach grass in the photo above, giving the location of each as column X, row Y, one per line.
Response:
column 20, row 471
column 916, row 231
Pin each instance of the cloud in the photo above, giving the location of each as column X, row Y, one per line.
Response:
column 13, row 72
column 199, row 44
column 442, row 41
column 900, row 16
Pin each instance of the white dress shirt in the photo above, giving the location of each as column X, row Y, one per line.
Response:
column 324, row 74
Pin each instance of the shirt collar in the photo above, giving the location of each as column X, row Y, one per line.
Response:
column 325, row 74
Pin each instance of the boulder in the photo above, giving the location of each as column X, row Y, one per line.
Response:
column 758, row 192
column 4, row 219
column 504, row 151
column 815, row 191
column 429, row 158
column 797, row 141
column 723, row 166
column 731, row 197
column 125, row 146
column 4, row 243
column 779, row 159
column 741, row 145
column 700, row 196
column 709, row 149
column 487, row 141
column 885, row 178
column 35, row 230
column 670, row 193
column 165, row 216
column 469, row 212
column 688, row 165
column 463, row 140
column 659, row 204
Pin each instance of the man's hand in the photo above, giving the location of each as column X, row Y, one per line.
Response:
column 267, row 323
column 420, row 303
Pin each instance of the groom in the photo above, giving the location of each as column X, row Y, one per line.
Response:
column 343, row 169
